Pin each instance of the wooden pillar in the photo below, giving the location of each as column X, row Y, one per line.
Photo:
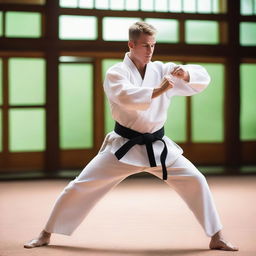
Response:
column 232, row 90
column 52, row 100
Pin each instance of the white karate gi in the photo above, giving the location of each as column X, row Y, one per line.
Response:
column 132, row 106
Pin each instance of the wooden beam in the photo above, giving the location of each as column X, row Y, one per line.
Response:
column 232, row 91
column 52, row 93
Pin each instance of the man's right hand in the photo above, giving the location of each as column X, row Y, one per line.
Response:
column 166, row 84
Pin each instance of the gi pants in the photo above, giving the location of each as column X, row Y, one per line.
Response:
column 104, row 172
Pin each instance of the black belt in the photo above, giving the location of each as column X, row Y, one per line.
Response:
column 142, row 139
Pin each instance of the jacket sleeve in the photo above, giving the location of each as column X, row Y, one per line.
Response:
column 121, row 91
column 199, row 80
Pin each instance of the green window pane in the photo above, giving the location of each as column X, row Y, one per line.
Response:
column 207, row 104
column 147, row 5
column 204, row 6
column 161, row 6
column 1, row 82
column 246, row 7
column 23, row 24
column 102, row 4
column 248, row 105
column 1, row 131
column 27, row 130
column 132, row 5
column 1, row 23
column 175, row 6
column 175, row 126
column 201, row 32
column 68, row 3
column 26, row 81
column 86, row 4
column 216, row 7
column 76, row 102
column 248, row 33
column 189, row 6
column 167, row 30
column 109, row 122
column 116, row 29
column 77, row 27
column 117, row 4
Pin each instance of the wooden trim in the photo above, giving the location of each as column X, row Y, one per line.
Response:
column 22, row 7
column 52, row 90
column 25, row 161
column 248, row 149
column 182, row 32
column 232, row 91
column 4, row 24
column 5, row 117
column 205, row 153
column 98, row 105
column 29, row 54
column 248, row 60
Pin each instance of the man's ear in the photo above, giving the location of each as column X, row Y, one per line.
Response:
column 131, row 44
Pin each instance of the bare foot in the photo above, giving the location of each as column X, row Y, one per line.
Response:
column 42, row 240
column 218, row 243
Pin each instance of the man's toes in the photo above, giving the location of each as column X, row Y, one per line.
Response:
column 223, row 245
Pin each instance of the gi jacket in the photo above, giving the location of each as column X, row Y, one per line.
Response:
column 131, row 103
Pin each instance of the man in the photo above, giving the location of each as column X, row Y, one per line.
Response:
column 139, row 92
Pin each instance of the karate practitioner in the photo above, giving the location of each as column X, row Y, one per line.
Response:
column 139, row 92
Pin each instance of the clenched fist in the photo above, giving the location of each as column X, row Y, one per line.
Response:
column 179, row 72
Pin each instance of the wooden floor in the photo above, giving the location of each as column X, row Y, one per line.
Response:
column 139, row 217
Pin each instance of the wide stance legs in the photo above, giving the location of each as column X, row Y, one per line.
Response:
column 104, row 172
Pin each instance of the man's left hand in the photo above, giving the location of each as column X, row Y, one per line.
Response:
column 179, row 72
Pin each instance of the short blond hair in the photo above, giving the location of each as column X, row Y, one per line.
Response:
column 140, row 27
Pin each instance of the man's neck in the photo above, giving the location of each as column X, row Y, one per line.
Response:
column 141, row 67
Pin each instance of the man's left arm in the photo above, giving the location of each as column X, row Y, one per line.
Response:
column 189, row 80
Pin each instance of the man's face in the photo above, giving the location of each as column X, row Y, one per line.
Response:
column 143, row 48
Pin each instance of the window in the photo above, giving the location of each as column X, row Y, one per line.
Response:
column 248, row 33
column 201, row 32
column 209, row 104
column 1, row 131
column 23, row 24
column 26, row 88
column 76, row 113
column 77, row 27
column 1, row 82
column 187, row 6
column 108, row 122
column 167, row 30
column 26, row 81
column 116, row 29
column 248, row 106
column 248, row 7
column 176, row 125
column 27, row 129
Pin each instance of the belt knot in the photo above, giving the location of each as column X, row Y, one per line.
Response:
column 148, row 138
column 142, row 139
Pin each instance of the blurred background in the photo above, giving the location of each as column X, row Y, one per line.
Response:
column 53, row 58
